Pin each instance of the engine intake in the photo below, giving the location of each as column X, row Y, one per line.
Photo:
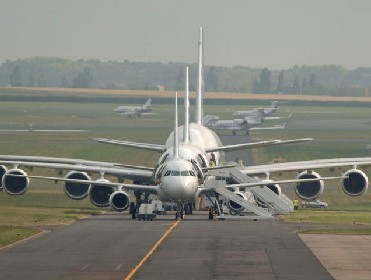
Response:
column 273, row 187
column 234, row 207
column 77, row 190
column 15, row 185
column 356, row 183
column 3, row 170
column 119, row 201
column 309, row 190
column 99, row 194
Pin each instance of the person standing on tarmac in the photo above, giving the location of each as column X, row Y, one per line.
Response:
column 295, row 202
column 211, row 214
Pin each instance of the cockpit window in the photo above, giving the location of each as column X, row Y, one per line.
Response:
column 192, row 173
column 167, row 173
column 184, row 173
column 164, row 158
column 175, row 173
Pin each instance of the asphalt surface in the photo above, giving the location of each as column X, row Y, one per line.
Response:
column 109, row 246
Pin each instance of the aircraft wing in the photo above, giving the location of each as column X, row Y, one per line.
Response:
column 277, row 126
column 306, row 165
column 76, row 165
column 152, row 147
column 256, row 145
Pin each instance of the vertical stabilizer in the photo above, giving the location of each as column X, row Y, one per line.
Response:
column 186, row 110
column 176, row 149
column 200, row 81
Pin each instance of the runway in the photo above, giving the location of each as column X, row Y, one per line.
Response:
column 109, row 246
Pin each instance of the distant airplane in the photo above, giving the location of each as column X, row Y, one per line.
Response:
column 244, row 124
column 266, row 111
column 134, row 111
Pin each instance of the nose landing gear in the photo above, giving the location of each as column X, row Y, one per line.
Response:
column 180, row 212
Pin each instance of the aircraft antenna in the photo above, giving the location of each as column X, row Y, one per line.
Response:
column 200, row 81
column 186, row 110
column 176, row 149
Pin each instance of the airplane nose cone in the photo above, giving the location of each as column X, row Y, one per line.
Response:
column 180, row 188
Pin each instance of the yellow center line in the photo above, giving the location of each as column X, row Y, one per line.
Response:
column 150, row 252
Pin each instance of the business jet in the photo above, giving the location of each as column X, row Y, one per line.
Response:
column 180, row 175
column 134, row 111
column 265, row 111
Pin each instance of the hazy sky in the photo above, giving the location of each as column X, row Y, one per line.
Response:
column 270, row 33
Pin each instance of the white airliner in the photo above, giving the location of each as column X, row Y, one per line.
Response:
column 180, row 175
column 134, row 111
column 265, row 111
column 245, row 124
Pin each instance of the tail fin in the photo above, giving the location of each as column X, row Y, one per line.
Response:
column 176, row 148
column 186, row 110
column 200, row 81
column 274, row 104
column 147, row 104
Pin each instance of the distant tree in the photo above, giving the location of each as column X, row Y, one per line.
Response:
column 64, row 82
column 280, row 82
column 31, row 79
column 15, row 77
column 305, row 83
column 265, row 81
column 296, row 85
column 212, row 80
column 180, row 79
column 312, row 80
column 256, row 87
column 41, row 80
column 83, row 79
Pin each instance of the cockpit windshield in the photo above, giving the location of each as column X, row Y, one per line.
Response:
column 183, row 173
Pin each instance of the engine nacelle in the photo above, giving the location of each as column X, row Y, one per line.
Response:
column 15, row 185
column 273, row 187
column 3, row 170
column 234, row 207
column 119, row 201
column 356, row 183
column 309, row 190
column 76, row 190
column 99, row 194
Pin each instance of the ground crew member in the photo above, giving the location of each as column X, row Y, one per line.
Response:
column 296, row 204
column 239, row 161
column 212, row 160
column 211, row 214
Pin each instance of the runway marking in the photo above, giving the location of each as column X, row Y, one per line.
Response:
column 118, row 267
column 150, row 252
column 85, row 267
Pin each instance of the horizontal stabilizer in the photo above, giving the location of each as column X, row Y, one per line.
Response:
column 256, row 145
column 152, row 147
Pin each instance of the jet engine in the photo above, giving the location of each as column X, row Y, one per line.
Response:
column 309, row 190
column 356, row 183
column 76, row 190
column 119, row 201
column 99, row 194
column 15, row 185
column 273, row 187
column 2, row 172
column 234, row 207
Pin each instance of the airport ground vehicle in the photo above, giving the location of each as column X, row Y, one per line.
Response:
column 314, row 204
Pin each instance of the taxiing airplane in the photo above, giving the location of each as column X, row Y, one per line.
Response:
column 245, row 124
column 181, row 174
column 134, row 111
column 265, row 111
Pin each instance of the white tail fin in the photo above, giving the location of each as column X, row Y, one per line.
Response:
column 200, row 82
column 147, row 104
column 186, row 110
column 176, row 149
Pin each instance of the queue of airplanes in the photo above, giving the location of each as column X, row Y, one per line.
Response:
column 181, row 174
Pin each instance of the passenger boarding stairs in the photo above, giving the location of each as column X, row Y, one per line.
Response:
column 270, row 202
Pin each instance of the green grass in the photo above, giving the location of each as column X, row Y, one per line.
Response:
column 329, row 217
column 10, row 234
column 346, row 231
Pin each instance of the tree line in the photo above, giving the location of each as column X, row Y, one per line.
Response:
column 93, row 73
